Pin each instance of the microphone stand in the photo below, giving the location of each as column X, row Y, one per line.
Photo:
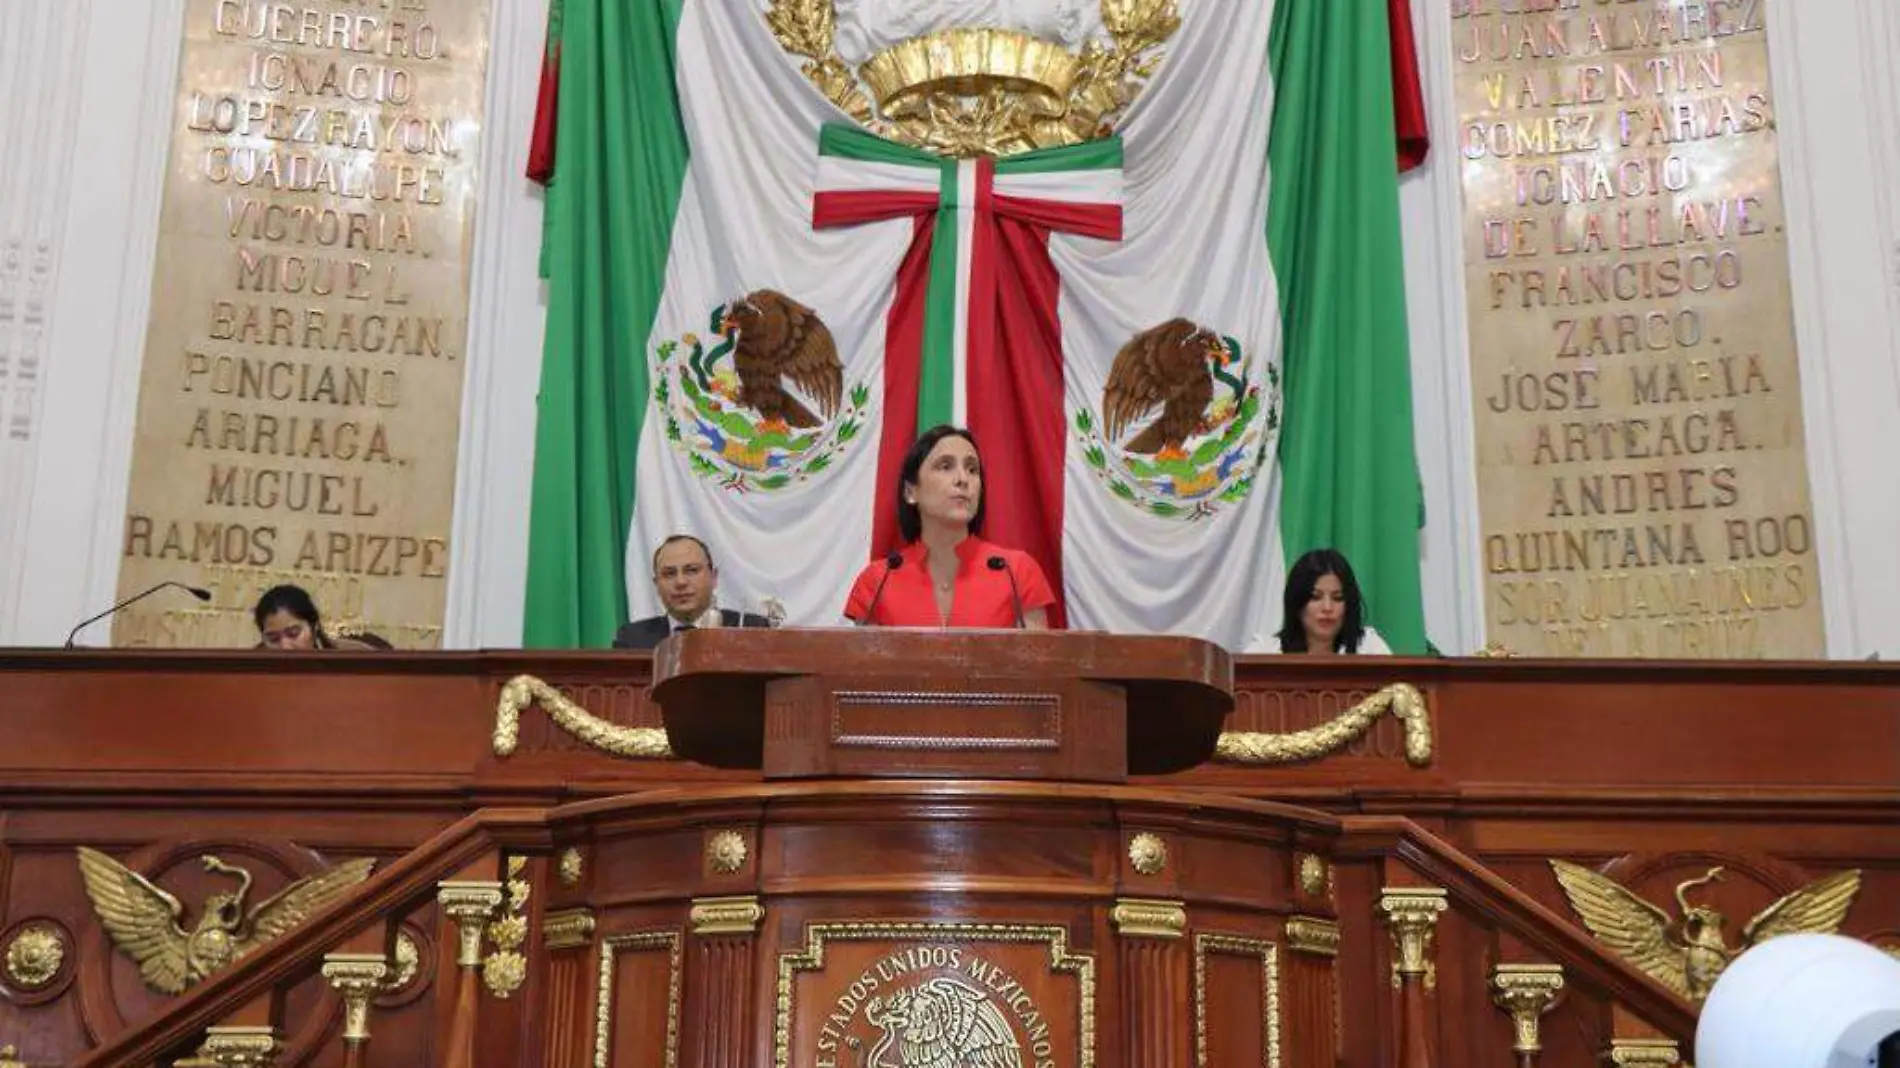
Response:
column 997, row 563
column 195, row 591
column 891, row 563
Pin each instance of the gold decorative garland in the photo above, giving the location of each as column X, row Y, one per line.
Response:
column 523, row 690
column 1401, row 699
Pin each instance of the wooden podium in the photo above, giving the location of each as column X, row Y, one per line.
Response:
column 941, row 868
column 939, row 704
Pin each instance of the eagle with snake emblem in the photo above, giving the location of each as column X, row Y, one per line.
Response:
column 776, row 338
column 1688, row 953
column 1173, row 367
column 147, row 923
column 941, row 1023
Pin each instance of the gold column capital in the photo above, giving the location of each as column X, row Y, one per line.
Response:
column 240, row 1047
column 567, row 929
column 1313, row 936
column 1644, row 1053
column 726, row 915
column 1140, row 917
column 469, row 904
column 1411, row 914
column 359, row 977
column 1526, row 991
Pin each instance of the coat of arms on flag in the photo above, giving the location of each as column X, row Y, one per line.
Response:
column 1146, row 250
column 766, row 406
column 1182, row 429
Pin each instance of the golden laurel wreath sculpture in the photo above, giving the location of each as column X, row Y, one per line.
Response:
column 1402, row 700
column 523, row 690
column 982, row 90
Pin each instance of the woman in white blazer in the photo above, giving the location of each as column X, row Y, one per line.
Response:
column 1324, row 613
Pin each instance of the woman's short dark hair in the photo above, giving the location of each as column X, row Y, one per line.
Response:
column 910, row 523
column 1301, row 579
column 296, row 601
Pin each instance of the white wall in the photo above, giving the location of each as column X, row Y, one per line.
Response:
column 1839, row 98
column 488, row 572
column 1432, row 213
column 86, row 89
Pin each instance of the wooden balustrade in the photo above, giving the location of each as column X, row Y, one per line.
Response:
column 250, row 993
column 1651, row 774
column 1496, row 905
column 1400, row 962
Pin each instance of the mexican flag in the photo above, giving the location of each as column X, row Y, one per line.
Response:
column 1181, row 346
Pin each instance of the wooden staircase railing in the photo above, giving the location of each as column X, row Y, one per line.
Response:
column 1409, row 874
column 244, row 1004
column 1394, row 875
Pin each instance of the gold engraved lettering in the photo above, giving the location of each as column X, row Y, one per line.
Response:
column 939, row 965
column 299, row 419
column 1636, row 392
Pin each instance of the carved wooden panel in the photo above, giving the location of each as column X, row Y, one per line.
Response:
column 858, row 986
column 1002, row 728
column 569, row 1010
column 725, row 1017
column 1155, row 980
column 1237, row 1001
column 637, row 1005
column 1312, row 1011
column 903, row 720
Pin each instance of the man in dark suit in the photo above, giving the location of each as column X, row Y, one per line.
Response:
column 684, row 577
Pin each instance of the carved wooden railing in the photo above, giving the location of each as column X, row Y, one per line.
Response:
column 1401, row 876
column 1781, row 772
column 1397, row 885
column 236, row 1017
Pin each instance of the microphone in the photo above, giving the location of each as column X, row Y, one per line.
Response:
column 891, row 563
column 196, row 591
column 997, row 563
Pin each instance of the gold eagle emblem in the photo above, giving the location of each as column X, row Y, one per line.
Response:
column 941, row 1023
column 147, row 923
column 1689, row 952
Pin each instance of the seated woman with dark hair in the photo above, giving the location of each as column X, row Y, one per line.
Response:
column 1323, row 612
column 947, row 576
column 287, row 619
